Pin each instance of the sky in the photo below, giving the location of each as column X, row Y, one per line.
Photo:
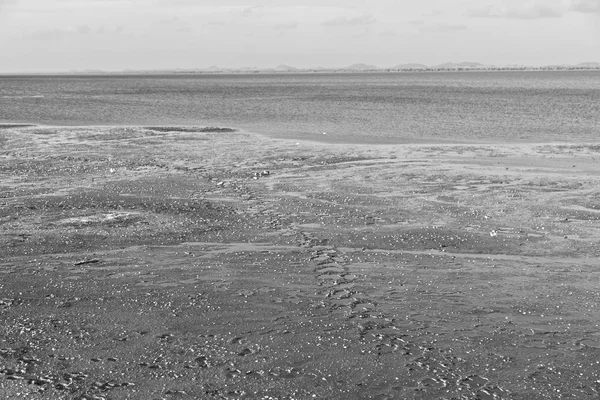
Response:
column 62, row 35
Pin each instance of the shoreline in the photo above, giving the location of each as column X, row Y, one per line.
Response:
column 318, row 138
column 309, row 71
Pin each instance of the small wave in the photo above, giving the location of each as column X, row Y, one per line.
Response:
column 13, row 126
column 37, row 96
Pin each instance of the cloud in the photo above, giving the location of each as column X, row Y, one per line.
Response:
column 5, row 3
column 350, row 21
column 387, row 33
column 521, row 11
column 73, row 31
column 285, row 26
column 248, row 11
column 110, row 30
column 585, row 6
column 443, row 27
column 424, row 26
column 173, row 24
column 60, row 33
column 168, row 21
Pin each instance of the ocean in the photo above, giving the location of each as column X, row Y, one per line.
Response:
column 486, row 106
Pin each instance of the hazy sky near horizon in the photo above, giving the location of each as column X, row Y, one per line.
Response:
column 53, row 35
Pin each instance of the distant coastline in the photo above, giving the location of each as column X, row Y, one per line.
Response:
column 355, row 68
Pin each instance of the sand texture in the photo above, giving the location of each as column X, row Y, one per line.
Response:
column 142, row 263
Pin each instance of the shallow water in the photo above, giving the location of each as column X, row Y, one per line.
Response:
column 392, row 107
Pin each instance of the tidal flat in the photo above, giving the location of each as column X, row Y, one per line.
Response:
column 158, row 263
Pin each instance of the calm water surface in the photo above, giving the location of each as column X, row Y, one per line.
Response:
column 399, row 107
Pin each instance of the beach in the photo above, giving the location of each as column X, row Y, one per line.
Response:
column 157, row 262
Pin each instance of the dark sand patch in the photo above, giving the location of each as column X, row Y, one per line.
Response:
column 186, row 129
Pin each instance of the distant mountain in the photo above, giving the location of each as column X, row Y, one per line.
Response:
column 248, row 68
column 93, row 71
column 460, row 65
column 410, row 66
column 449, row 66
column 212, row 68
column 285, row 68
column 589, row 65
column 360, row 67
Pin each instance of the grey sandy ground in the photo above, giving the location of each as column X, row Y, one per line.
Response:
column 141, row 263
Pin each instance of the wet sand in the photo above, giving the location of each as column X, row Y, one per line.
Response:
column 140, row 263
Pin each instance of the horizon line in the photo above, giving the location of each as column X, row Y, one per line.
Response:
column 356, row 67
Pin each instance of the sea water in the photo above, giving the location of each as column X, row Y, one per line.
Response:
column 532, row 106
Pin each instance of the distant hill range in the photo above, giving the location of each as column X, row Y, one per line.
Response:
column 360, row 67
column 285, row 68
column 451, row 65
column 447, row 66
column 410, row 66
column 213, row 68
column 589, row 65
